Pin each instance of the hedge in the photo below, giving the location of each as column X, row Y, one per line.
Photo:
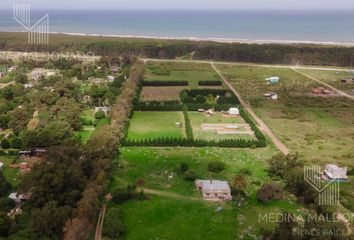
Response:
column 165, row 83
column 187, row 122
column 210, row 83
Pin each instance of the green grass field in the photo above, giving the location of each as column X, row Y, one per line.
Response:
column 197, row 119
column 191, row 72
column 171, row 217
column 149, row 125
column 332, row 77
column 11, row 174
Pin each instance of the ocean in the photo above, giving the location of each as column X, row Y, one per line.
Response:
column 314, row 26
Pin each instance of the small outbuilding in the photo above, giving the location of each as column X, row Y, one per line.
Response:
column 332, row 171
column 273, row 80
column 2, row 165
column 234, row 111
column 110, row 78
column 272, row 96
column 214, row 190
column 106, row 110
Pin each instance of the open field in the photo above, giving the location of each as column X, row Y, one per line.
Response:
column 250, row 82
column 332, row 77
column 198, row 119
column 186, row 217
column 149, row 125
column 320, row 129
column 160, row 93
column 180, row 71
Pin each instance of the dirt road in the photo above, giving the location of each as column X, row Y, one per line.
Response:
column 262, row 126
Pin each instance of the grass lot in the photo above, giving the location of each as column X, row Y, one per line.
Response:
column 251, row 84
column 197, row 119
column 88, row 130
column 332, row 77
column 172, row 218
column 191, row 72
column 145, row 125
column 320, row 129
column 11, row 174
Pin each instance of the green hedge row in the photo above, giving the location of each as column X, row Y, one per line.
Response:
column 185, row 142
column 187, row 122
column 165, row 83
column 210, row 83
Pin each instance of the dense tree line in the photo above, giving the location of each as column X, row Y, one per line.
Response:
column 306, row 54
column 102, row 148
column 210, row 83
column 162, row 83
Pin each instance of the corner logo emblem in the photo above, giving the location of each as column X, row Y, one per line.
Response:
column 39, row 32
column 328, row 192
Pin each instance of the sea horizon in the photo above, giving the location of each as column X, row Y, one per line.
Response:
column 258, row 26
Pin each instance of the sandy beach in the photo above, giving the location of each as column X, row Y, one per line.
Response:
column 213, row 39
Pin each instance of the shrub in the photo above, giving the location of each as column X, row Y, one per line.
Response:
column 5, row 144
column 120, row 195
column 113, row 225
column 216, row 166
column 190, row 175
column 245, row 171
column 210, row 83
column 183, row 167
column 100, row 115
column 270, row 191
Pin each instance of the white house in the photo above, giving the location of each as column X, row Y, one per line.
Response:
column 37, row 74
column 234, row 111
column 214, row 190
column 110, row 78
column 1, row 165
column 102, row 109
column 332, row 171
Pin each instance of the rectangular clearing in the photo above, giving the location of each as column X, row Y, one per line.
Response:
column 150, row 125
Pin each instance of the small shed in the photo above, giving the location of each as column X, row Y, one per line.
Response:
column 234, row 111
column 2, row 74
column 273, row 80
column 332, row 171
column 110, row 78
column 106, row 110
column 214, row 190
column 1, row 165
column 272, row 96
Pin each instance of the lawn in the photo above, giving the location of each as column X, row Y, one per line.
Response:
column 332, row 77
column 11, row 174
column 149, row 125
column 87, row 130
column 197, row 119
column 182, row 218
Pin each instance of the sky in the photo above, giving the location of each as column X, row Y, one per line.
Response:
column 183, row 4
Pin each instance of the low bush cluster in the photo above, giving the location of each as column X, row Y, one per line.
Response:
column 210, row 83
